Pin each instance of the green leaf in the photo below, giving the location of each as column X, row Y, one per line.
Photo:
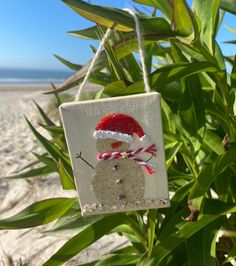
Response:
column 121, row 49
column 39, row 213
column 58, row 99
column 113, row 62
column 233, row 75
column 207, row 11
column 125, row 250
column 67, row 226
column 29, row 165
column 201, row 247
column 147, row 261
column 168, row 117
column 131, row 67
column 208, row 175
column 231, row 255
column 102, row 15
column 223, row 184
column 182, row 20
column 170, row 73
column 116, row 18
column 92, row 33
column 53, row 129
column 191, row 107
column 220, row 57
column 231, row 29
column 133, row 232
column 118, row 259
column 151, row 226
column 179, row 196
column 44, row 116
column 169, row 241
column 163, row 5
column 89, row 33
column 46, row 160
column 212, row 141
column 228, row 5
column 44, row 170
column 85, row 238
column 67, row 181
column 68, row 63
column 53, row 150
column 171, row 150
column 115, row 88
column 231, row 42
column 171, row 91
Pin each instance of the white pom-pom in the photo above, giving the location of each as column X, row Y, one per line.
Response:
column 145, row 139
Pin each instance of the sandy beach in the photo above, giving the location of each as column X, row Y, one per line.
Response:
column 30, row 246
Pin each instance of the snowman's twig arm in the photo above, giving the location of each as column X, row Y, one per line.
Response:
column 80, row 157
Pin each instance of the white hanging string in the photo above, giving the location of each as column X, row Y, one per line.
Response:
column 140, row 49
column 105, row 37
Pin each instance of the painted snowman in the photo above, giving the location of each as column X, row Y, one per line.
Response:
column 118, row 177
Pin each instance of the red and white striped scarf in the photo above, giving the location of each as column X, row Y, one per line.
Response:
column 131, row 154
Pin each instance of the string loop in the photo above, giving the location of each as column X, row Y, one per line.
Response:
column 140, row 49
column 141, row 54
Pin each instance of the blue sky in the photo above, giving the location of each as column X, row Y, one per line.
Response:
column 31, row 31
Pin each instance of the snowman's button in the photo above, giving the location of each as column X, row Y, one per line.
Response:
column 115, row 167
column 119, row 181
column 120, row 197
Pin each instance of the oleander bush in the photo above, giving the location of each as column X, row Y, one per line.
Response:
column 198, row 84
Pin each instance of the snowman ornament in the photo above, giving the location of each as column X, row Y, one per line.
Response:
column 118, row 178
column 117, row 153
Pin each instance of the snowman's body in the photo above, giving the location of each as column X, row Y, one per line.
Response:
column 117, row 181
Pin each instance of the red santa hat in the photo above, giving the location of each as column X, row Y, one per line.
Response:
column 120, row 127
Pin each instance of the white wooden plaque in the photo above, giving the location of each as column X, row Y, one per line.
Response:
column 117, row 153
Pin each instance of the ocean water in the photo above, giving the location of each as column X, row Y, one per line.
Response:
column 26, row 76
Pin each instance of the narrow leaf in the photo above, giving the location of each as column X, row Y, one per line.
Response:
column 39, row 213
column 53, row 150
column 118, row 260
column 171, row 150
column 163, row 5
column 228, row 5
column 151, row 226
column 67, row 226
column 121, row 49
column 231, row 29
column 68, row 63
column 191, row 107
column 208, row 175
column 44, row 170
column 67, row 181
column 205, row 241
column 212, row 211
column 231, row 255
column 182, row 20
column 116, row 18
column 89, row 33
column 44, row 116
column 207, row 11
column 170, row 73
column 53, row 129
column 85, row 238
column 46, row 160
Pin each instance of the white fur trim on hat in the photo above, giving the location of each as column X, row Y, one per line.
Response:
column 107, row 134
